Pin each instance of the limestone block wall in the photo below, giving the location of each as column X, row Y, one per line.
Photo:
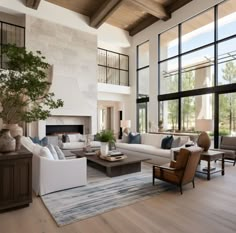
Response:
column 73, row 54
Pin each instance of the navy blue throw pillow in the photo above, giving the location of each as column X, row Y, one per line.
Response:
column 166, row 142
column 42, row 142
column 134, row 138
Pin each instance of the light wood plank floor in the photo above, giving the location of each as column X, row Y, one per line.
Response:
column 210, row 207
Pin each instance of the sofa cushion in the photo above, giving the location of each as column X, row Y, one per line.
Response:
column 183, row 139
column 176, row 142
column 166, row 142
column 53, row 151
column 60, row 154
column 152, row 139
column 45, row 152
column 72, row 145
column 145, row 149
column 75, row 137
column 27, row 143
column 134, row 138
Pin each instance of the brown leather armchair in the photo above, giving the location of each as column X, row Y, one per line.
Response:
column 181, row 171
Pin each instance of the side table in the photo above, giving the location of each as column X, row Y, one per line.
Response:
column 209, row 156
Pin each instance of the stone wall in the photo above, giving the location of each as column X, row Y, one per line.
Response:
column 72, row 54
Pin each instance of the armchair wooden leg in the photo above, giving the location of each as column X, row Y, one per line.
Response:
column 193, row 183
column 180, row 188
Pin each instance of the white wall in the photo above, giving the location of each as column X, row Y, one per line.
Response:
column 70, row 45
column 151, row 33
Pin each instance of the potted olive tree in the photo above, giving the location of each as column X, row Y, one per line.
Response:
column 24, row 87
column 106, row 137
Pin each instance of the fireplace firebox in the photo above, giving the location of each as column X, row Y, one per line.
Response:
column 64, row 129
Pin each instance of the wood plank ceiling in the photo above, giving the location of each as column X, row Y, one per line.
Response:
column 130, row 15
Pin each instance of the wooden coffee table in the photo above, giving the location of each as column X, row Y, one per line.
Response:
column 129, row 165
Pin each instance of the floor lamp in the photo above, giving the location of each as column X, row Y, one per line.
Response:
column 204, row 125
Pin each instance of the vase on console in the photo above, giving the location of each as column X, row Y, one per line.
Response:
column 16, row 132
column 7, row 142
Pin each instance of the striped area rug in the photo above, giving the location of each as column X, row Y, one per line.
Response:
column 96, row 198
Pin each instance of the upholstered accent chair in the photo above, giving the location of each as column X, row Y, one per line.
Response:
column 180, row 171
column 228, row 146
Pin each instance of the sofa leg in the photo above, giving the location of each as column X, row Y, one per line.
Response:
column 234, row 162
column 193, row 183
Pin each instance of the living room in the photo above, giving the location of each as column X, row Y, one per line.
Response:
column 71, row 47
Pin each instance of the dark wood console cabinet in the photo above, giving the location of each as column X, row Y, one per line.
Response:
column 15, row 179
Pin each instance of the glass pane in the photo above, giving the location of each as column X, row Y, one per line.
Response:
column 101, row 74
column 169, row 76
column 198, row 31
column 169, row 111
column 196, row 108
column 124, row 62
column 143, row 55
column 112, row 60
column 198, row 69
column 101, row 57
column 112, row 76
column 227, row 62
column 124, row 78
column 143, row 83
column 169, row 43
column 227, row 19
column 227, row 114
column 142, row 117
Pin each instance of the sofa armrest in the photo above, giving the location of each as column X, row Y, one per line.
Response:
column 55, row 175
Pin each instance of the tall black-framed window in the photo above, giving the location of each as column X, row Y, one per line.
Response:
column 197, row 71
column 10, row 34
column 113, row 67
column 142, row 86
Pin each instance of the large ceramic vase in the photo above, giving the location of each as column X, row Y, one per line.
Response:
column 104, row 148
column 7, row 142
column 16, row 132
column 15, row 129
column 204, row 141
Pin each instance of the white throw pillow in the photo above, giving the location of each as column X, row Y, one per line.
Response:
column 53, row 151
column 60, row 154
column 28, row 144
column 37, row 148
column 45, row 152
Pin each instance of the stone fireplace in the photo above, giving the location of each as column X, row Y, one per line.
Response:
column 64, row 124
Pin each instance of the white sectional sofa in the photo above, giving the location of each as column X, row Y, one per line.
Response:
column 150, row 147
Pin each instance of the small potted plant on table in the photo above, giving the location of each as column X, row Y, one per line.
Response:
column 106, row 137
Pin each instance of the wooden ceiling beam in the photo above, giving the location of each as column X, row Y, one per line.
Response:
column 34, row 4
column 153, row 8
column 142, row 25
column 150, row 20
column 104, row 12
